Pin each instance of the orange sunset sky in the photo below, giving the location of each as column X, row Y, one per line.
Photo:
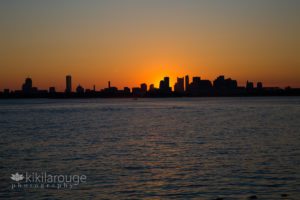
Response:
column 133, row 41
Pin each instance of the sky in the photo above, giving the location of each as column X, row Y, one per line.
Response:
column 134, row 41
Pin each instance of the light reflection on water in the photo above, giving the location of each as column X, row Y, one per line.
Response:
column 184, row 148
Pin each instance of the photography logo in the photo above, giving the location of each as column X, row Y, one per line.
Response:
column 17, row 177
column 44, row 180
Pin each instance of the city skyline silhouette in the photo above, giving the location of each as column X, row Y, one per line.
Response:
column 183, row 87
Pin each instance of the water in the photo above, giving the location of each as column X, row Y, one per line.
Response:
column 182, row 148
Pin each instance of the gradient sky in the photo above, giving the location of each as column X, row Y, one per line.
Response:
column 135, row 41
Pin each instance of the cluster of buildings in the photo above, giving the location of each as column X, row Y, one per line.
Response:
column 197, row 87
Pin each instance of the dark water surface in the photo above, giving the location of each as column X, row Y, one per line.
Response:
column 182, row 148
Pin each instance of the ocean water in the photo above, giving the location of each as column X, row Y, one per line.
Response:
column 172, row 148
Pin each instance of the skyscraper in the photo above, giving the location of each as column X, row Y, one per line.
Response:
column 179, row 86
column 164, row 86
column 167, row 82
column 143, row 87
column 151, row 88
column 200, row 87
column 187, row 83
column 68, row 84
column 27, row 86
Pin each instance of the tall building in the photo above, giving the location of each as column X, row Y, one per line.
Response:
column 68, row 84
column 143, row 88
column 219, row 83
column 200, row 87
column 187, row 83
column 167, row 82
column 151, row 88
column 225, row 84
column 179, row 85
column 161, row 85
column 164, row 86
column 27, row 86
column 196, row 80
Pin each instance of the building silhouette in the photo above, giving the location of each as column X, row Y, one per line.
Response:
column 153, row 92
column 110, row 91
column 79, row 89
column 68, row 84
column 27, row 86
column 179, row 86
column 136, row 92
column 126, row 91
column 164, row 86
column 224, row 87
column 187, row 83
column 143, row 88
column 200, row 87
column 151, row 88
